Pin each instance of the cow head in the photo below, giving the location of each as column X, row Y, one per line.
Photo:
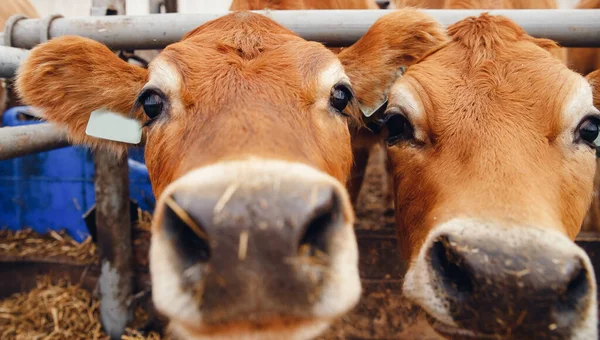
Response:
column 492, row 145
column 248, row 149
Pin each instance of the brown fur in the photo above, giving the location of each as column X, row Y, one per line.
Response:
column 485, row 4
column 430, row 4
column 558, row 52
column 363, row 141
column 594, row 79
column 386, row 55
column 489, row 143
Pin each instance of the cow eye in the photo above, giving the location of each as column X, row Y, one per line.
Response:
column 589, row 130
column 153, row 105
column 399, row 129
column 340, row 97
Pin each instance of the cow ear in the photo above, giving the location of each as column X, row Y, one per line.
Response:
column 394, row 42
column 68, row 78
column 594, row 79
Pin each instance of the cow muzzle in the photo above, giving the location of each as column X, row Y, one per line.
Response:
column 481, row 280
column 254, row 247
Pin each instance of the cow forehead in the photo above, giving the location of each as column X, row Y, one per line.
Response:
column 526, row 86
column 294, row 68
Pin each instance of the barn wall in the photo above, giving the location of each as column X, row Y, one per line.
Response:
column 68, row 8
column 81, row 8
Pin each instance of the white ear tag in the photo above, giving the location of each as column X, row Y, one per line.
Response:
column 113, row 126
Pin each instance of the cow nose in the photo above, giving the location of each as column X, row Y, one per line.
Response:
column 211, row 222
column 524, row 290
column 259, row 249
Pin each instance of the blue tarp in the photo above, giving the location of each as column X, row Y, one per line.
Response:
column 52, row 190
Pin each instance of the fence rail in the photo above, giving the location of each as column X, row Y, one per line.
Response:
column 10, row 59
column 27, row 139
column 580, row 28
column 570, row 28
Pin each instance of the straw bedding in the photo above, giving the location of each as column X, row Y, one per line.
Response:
column 25, row 243
column 61, row 310
column 57, row 312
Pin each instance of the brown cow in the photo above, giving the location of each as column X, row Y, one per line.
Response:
column 8, row 9
column 492, row 184
column 247, row 149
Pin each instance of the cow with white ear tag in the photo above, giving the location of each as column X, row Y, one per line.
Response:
column 248, row 149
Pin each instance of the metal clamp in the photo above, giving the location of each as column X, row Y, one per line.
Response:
column 45, row 29
column 8, row 28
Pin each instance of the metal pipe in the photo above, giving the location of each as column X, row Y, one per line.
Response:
column 10, row 58
column 113, row 225
column 28, row 139
column 571, row 28
column 113, row 228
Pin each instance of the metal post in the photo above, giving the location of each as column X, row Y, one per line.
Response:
column 114, row 240
column 113, row 224
column 570, row 28
column 24, row 140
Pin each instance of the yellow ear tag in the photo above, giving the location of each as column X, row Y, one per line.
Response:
column 113, row 126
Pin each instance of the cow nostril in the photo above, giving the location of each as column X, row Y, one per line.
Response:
column 316, row 235
column 190, row 239
column 576, row 290
column 450, row 267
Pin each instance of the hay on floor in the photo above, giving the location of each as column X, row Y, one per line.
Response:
column 25, row 243
column 28, row 243
column 59, row 311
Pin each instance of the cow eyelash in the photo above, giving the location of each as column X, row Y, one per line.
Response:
column 153, row 103
column 149, row 122
column 399, row 127
column 341, row 96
